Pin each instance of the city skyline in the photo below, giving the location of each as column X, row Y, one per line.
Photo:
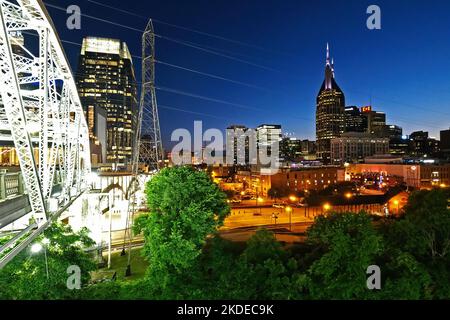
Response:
column 303, row 164
column 365, row 72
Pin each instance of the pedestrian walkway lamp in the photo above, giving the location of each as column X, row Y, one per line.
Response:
column 37, row 247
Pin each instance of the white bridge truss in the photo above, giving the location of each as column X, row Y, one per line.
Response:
column 41, row 110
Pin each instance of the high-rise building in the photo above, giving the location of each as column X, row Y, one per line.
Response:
column 445, row 144
column 107, row 85
column 269, row 138
column 330, row 112
column 354, row 120
column 421, row 145
column 239, row 139
column 376, row 121
column 291, row 149
column 353, row 147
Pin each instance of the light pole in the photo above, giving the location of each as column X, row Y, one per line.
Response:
column 289, row 210
column 259, row 201
column 397, row 203
column 37, row 247
column 326, row 207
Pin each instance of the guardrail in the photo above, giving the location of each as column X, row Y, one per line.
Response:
column 11, row 185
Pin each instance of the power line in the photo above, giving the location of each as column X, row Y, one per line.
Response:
column 198, row 47
column 96, row 18
column 189, row 44
column 186, row 28
column 233, row 104
column 192, row 95
column 193, row 112
column 210, row 75
column 181, row 42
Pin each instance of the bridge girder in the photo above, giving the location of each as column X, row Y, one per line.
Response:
column 41, row 108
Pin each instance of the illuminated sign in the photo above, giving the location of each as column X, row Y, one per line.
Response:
column 366, row 109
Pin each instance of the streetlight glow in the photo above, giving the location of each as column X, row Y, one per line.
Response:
column 326, row 206
column 36, row 248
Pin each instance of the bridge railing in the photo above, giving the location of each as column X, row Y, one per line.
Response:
column 11, row 185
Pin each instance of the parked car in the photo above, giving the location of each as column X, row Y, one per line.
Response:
column 279, row 205
column 301, row 205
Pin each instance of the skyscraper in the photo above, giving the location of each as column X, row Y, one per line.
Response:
column 107, row 84
column 330, row 113
column 269, row 138
column 238, row 141
column 354, row 121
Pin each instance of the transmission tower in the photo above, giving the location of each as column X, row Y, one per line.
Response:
column 150, row 150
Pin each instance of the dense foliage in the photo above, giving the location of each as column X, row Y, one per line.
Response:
column 25, row 277
column 185, row 208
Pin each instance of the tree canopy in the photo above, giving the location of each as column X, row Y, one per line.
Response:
column 185, row 207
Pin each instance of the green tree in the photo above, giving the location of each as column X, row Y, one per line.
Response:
column 185, row 208
column 349, row 244
column 25, row 276
column 424, row 233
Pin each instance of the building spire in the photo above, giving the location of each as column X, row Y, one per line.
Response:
column 332, row 66
column 328, row 54
column 329, row 70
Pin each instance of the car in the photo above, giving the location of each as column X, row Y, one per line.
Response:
column 235, row 201
column 279, row 205
column 301, row 205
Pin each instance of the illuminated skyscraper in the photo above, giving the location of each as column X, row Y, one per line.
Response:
column 330, row 113
column 107, row 86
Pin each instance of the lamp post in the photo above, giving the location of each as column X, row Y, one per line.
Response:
column 36, row 248
column 259, row 201
column 348, row 195
column 289, row 210
column 397, row 203
column 326, row 207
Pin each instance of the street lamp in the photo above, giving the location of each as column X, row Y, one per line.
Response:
column 293, row 198
column 289, row 210
column 37, row 247
column 260, row 200
column 326, row 207
column 397, row 203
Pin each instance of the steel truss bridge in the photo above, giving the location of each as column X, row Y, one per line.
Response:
column 42, row 113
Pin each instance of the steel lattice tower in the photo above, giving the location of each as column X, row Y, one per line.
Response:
column 150, row 149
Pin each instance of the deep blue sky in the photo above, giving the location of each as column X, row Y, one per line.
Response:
column 402, row 69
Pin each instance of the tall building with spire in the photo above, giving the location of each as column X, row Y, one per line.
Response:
column 330, row 112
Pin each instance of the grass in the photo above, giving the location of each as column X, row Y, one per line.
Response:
column 119, row 265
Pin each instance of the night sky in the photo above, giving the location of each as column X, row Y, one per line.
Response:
column 402, row 69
